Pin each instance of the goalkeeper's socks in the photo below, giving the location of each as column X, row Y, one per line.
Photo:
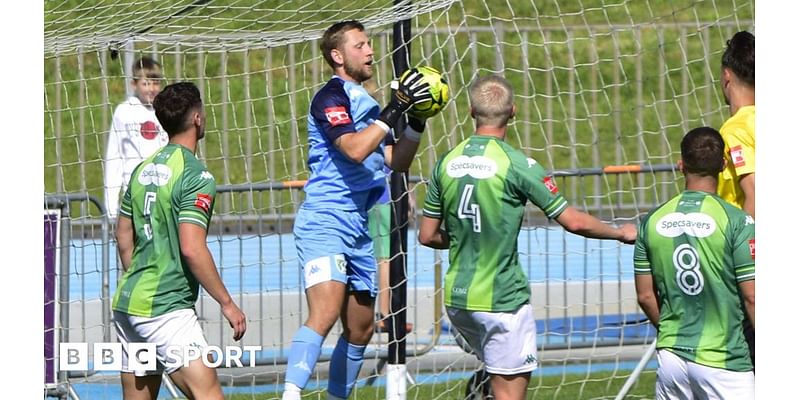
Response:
column 346, row 362
column 291, row 392
column 303, row 356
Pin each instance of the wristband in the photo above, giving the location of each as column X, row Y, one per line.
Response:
column 382, row 125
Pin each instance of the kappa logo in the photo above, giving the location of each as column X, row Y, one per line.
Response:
column 478, row 167
column 155, row 174
column 693, row 224
column 530, row 359
column 550, row 183
column 737, row 157
column 337, row 116
column 531, row 162
column 203, row 201
column 206, row 175
column 748, row 220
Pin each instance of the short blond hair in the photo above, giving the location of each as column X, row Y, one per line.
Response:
column 492, row 100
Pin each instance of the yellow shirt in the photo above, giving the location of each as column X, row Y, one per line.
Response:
column 739, row 133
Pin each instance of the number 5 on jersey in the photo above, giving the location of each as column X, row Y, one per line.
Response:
column 469, row 210
column 149, row 199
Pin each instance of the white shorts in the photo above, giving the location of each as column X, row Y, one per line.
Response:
column 679, row 378
column 504, row 341
column 173, row 330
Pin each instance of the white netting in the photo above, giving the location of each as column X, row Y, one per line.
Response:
column 597, row 83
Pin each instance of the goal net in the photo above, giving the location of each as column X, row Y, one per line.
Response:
column 598, row 85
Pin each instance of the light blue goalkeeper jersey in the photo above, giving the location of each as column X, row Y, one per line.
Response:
column 336, row 182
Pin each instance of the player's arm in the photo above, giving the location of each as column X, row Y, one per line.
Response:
column 430, row 226
column 748, row 292
column 744, row 256
column 358, row 145
column 195, row 251
column 586, row 225
column 125, row 240
column 409, row 91
column 431, row 234
column 748, row 185
column 196, row 196
column 646, row 296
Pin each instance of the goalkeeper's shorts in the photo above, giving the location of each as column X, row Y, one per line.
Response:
column 335, row 245
column 504, row 341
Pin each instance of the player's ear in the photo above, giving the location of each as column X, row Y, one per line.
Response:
column 472, row 112
column 513, row 111
column 725, row 76
column 680, row 166
column 337, row 56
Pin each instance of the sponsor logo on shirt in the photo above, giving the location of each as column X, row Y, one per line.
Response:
column 148, row 130
column 550, row 183
column 693, row 224
column 753, row 248
column 337, row 116
column 737, row 157
column 203, row 201
column 155, row 174
column 478, row 167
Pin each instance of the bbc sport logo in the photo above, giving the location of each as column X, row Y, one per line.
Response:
column 143, row 356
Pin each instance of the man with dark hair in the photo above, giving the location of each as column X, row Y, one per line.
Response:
column 474, row 207
column 135, row 133
column 737, row 182
column 738, row 79
column 694, row 266
column 349, row 142
column 161, row 238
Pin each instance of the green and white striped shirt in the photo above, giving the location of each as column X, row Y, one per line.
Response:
column 479, row 190
column 169, row 188
column 698, row 248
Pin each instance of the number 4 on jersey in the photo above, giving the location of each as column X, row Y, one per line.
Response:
column 469, row 210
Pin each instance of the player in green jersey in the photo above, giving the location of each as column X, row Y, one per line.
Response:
column 474, row 207
column 694, row 265
column 161, row 238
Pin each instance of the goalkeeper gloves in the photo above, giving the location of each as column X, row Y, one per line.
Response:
column 410, row 90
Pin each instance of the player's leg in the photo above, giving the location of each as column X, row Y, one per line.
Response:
column 509, row 349
column 140, row 387
column 672, row 377
column 321, row 244
column 146, row 385
column 719, row 384
column 510, row 387
column 348, row 355
column 198, row 381
column 180, row 343
column 357, row 313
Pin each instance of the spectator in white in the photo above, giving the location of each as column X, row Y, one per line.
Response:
column 135, row 132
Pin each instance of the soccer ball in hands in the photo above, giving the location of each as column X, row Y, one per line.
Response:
column 440, row 93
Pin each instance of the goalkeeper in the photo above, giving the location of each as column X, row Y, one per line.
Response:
column 349, row 142
column 474, row 206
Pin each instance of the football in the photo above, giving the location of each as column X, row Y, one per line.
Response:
column 440, row 93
